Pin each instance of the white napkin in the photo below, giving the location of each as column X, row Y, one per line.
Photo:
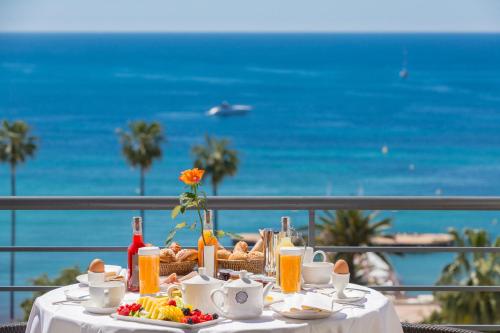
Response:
column 309, row 301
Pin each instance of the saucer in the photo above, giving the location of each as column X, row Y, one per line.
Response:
column 92, row 308
column 78, row 294
column 352, row 296
column 317, row 286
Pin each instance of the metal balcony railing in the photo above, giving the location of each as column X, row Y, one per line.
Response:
column 309, row 204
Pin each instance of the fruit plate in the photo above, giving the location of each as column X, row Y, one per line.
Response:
column 167, row 323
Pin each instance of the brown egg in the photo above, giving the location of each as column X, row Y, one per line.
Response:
column 96, row 266
column 341, row 267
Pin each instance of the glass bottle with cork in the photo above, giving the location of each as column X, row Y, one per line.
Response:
column 208, row 245
column 284, row 240
column 133, row 249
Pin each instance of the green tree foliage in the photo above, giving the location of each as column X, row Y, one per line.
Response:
column 470, row 269
column 218, row 161
column 350, row 228
column 141, row 145
column 67, row 276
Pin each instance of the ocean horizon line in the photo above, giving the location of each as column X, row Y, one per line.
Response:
column 244, row 32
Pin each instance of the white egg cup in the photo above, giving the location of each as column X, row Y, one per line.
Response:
column 96, row 278
column 340, row 282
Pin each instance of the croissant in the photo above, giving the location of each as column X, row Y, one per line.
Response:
column 255, row 255
column 259, row 246
column 175, row 247
column 238, row 256
column 223, row 254
column 187, row 255
column 167, row 255
column 241, row 246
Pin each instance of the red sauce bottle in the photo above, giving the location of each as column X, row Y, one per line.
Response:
column 133, row 257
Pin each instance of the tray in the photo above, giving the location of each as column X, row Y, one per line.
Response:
column 166, row 323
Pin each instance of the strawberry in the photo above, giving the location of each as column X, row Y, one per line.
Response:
column 124, row 312
column 172, row 302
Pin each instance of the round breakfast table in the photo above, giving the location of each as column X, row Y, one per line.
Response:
column 375, row 315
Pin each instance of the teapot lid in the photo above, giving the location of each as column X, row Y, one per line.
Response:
column 201, row 278
column 244, row 281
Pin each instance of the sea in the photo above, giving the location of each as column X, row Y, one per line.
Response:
column 331, row 116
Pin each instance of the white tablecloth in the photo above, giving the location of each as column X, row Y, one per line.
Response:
column 377, row 316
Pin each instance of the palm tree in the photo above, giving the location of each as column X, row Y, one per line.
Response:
column 470, row 269
column 350, row 228
column 16, row 145
column 217, row 160
column 141, row 146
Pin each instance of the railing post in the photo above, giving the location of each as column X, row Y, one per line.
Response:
column 311, row 229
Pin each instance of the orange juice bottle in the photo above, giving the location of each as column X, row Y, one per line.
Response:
column 284, row 239
column 208, row 245
column 149, row 270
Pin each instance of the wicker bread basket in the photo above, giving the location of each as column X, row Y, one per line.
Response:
column 254, row 265
column 180, row 268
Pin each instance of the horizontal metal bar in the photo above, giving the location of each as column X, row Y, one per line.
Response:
column 379, row 288
column 63, row 248
column 253, row 203
column 437, row 288
column 341, row 249
column 28, row 288
column 73, row 248
column 406, row 249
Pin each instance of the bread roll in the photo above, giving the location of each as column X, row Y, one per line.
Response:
column 167, row 255
column 259, row 246
column 175, row 247
column 255, row 255
column 238, row 255
column 223, row 254
column 187, row 255
column 241, row 246
column 96, row 266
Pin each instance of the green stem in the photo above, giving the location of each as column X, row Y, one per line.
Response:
column 195, row 187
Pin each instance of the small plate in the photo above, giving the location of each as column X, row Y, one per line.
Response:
column 352, row 296
column 281, row 309
column 92, row 308
column 84, row 278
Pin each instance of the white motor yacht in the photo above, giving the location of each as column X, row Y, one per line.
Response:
column 226, row 109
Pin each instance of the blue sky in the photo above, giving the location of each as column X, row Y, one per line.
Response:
column 254, row 15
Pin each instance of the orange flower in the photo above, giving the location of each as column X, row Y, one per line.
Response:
column 191, row 176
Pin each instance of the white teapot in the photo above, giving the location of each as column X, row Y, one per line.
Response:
column 242, row 298
column 197, row 291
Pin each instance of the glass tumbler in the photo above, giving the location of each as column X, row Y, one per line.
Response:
column 291, row 269
column 149, row 271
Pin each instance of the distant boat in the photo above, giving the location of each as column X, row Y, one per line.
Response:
column 226, row 109
column 403, row 73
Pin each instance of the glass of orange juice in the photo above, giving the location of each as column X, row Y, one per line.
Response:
column 290, row 269
column 149, row 270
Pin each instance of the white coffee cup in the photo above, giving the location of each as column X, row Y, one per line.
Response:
column 107, row 294
column 310, row 254
column 340, row 282
column 317, row 272
column 96, row 278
